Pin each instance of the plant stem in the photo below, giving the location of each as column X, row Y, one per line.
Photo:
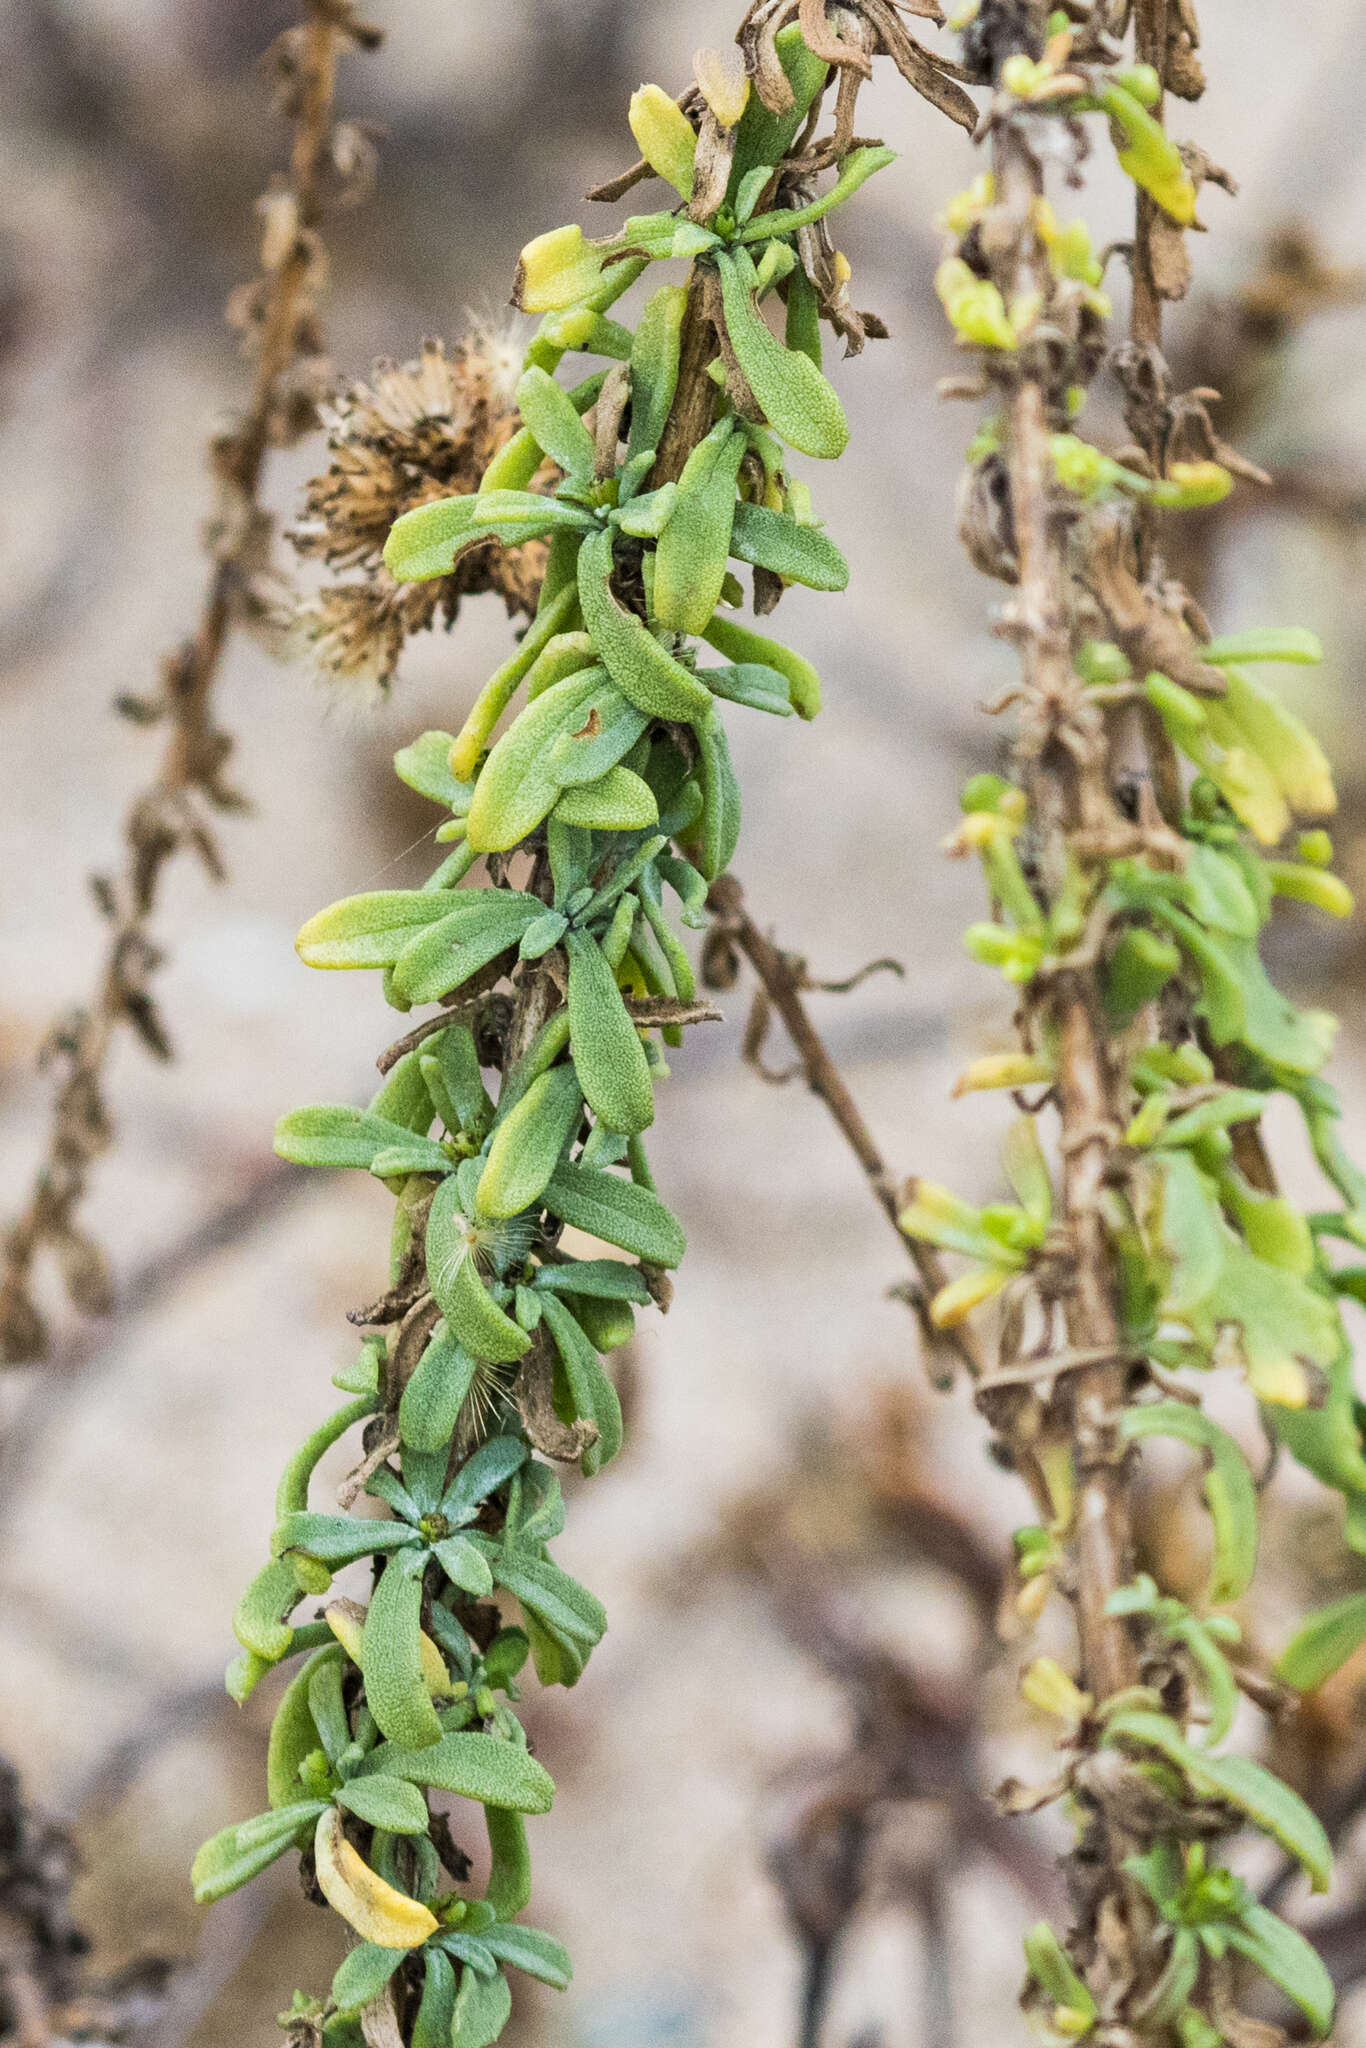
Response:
column 165, row 818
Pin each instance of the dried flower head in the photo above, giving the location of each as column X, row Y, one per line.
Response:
column 417, row 431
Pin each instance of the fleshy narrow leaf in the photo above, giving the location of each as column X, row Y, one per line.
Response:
column 800, row 554
column 430, row 1405
column 482, row 2006
column 619, row 801
column 609, row 1058
column 1282, row 1953
column 1324, row 1644
column 226, row 1861
column 479, row 925
column 378, row 1913
column 553, row 418
column 519, row 783
column 363, row 1974
column 389, row 1803
column 391, row 1658
column 429, row 540
column 1229, row 1489
column 527, row 1143
column 369, row 930
column 797, row 401
column 476, row 1766
column 526, row 1948
column 618, row 1212
column 594, row 1397
column 690, row 560
column 1267, row 1803
column 642, row 669
column 471, row 1313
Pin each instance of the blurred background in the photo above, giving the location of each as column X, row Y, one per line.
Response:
column 771, row 1827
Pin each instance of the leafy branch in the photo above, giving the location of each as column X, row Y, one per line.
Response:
column 592, row 777
column 1128, row 896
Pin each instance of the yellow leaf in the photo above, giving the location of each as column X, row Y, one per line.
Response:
column 376, row 1911
column 723, row 81
column 665, row 136
column 955, row 1303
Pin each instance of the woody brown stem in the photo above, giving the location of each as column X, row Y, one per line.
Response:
column 163, row 819
column 783, row 989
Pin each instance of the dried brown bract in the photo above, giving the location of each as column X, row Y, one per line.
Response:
column 417, row 431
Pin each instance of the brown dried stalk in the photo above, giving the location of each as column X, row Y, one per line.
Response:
column 171, row 814
column 783, row 983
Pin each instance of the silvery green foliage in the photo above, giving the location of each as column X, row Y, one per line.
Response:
column 1209, row 1263
column 599, row 753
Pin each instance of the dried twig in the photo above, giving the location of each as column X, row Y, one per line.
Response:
column 171, row 814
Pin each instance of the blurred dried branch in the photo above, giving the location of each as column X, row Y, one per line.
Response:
column 277, row 316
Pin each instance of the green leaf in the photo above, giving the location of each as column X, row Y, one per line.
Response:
column 450, row 1062
column 607, row 727
column 476, row 1766
column 553, row 418
column 260, row 1620
column 363, row 1974
column 641, row 668
column 797, row 401
column 413, row 1155
column 1282, row 1953
column 528, row 1141
column 369, row 930
column 693, row 550
column 1051, row 1969
column 1194, row 1239
column 328, row 1708
column 464, row 1565
column 1263, row 1800
column 429, row 540
column 654, row 368
column 757, row 687
column 594, row 1396
column 618, row 1212
column 518, row 784
column 235, row 1855
column 1273, row 643
column 608, row 1055
column 526, row 1948
column 720, row 828
column 429, row 1408
column 568, row 1620
column 482, row 2006
column 490, row 1467
column 509, row 1885
column 432, row 2026
column 395, row 1690
column 339, row 1539
column 598, row 1279
column 383, row 1802
column 739, row 644
column 1229, row 1488
column 337, row 1135
column 479, row 925
column 800, row 554
column 618, row 801
column 293, row 1732
column 763, row 135
column 855, row 170
column 471, row 1313
column 1324, row 1644
column 292, row 1492
column 425, row 765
